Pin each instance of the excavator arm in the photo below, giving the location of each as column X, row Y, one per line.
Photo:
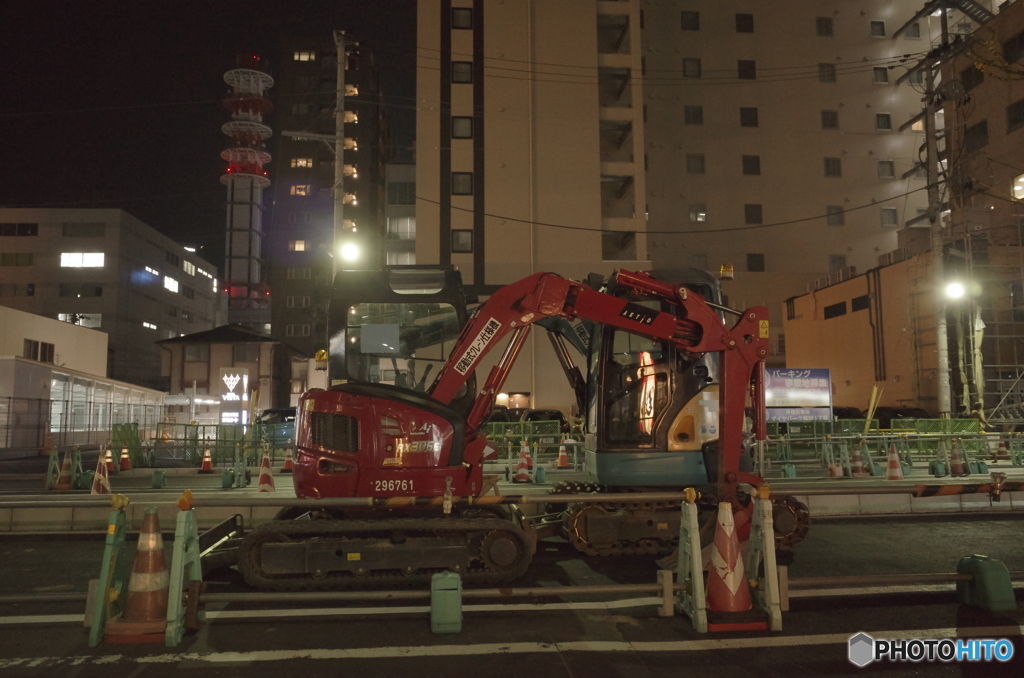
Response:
column 695, row 329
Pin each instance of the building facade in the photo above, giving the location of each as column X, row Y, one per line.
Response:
column 400, row 240
column 302, row 252
column 106, row 270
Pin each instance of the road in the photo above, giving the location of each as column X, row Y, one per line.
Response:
column 579, row 638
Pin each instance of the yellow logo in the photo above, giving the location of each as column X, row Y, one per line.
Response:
column 763, row 329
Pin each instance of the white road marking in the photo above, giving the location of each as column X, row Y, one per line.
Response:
column 704, row 645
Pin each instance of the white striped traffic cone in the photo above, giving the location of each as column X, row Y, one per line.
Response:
column 266, row 483
column 100, row 481
column 727, row 584
column 895, row 470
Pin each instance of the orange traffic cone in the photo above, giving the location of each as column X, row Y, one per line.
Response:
column 109, row 457
column 288, row 465
column 64, row 481
column 1002, row 453
column 144, row 618
column 728, row 596
column 266, row 478
column 956, row 462
column 563, row 456
column 207, row 466
column 525, row 453
column 522, row 471
column 895, row 470
column 125, row 462
column 100, row 481
column 857, row 464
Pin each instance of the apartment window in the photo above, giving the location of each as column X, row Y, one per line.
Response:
column 834, row 310
column 1015, row 116
column 302, row 162
column 84, row 230
column 80, row 290
column 401, row 193
column 297, row 245
column 691, row 68
column 1013, row 49
column 296, row 331
column 913, row 31
column 245, row 353
column 751, row 164
column 916, row 77
column 17, row 259
column 746, row 69
column 695, row 163
column 835, row 215
column 301, row 189
column 752, row 214
column 690, row 21
column 618, row 246
column 877, row 29
column 698, row 213
column 881, row 75
column 755, row 263
column 81, row 259
column 889, row 217
column 38, row 350
column 971, row 77
column 462, row 71
column 148, row 325
column 830, row 120
column 11, row 230
column 188, row 267
column 833, row 167
column 886, row 169
column 462, row 183
column 197, row 353
column 297, row 302
column 693, row 115
column 883, row 122
column 401, row 258
column 170, row 284
column 188, row 292
column 826, row 72
column 304, row 56
column 861, row 303
column 299, row 273
column 402, row 228
column 976, row 137
column 462, row 127
column 744, row 23
column 462, row 240
column 462, row 17
column 823, row 26
column 748, row 117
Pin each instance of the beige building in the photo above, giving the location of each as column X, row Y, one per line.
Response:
column 580, row 136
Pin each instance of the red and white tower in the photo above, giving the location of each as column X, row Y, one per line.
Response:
column 248, row 296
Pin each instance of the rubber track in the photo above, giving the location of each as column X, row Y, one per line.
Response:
column 340, row 529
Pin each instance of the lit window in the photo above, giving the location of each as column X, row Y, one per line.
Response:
column 297, row 245
column 204, row 273
column 83, row 319
column 1018, row 187
column 81, row 259
column 302, row 162
column 401, row 258
column 149, row 326
column 462, row 127
column 152, row 270
column 188, row 267
column 170, row 283
column 462, row 183
column 305, row 56
column 698, row 213
column 301, row 189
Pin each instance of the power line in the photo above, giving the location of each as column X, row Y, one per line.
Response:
column 752, row 227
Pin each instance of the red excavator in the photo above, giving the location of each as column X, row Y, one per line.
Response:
column 381, row 432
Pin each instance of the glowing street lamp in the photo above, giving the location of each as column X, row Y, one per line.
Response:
column 350, row 251
column 955, row 290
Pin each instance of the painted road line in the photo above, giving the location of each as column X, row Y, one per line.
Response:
column 876, row 590
column 679, row 646
column 344, row 611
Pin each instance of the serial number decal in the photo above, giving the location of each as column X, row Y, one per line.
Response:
column 417, row 446
column 581, row 331
column 638, row 313
column 478, row 346
column 392, row 486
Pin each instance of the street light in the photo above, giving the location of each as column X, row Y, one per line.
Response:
column 955, row 290
column 350, row 251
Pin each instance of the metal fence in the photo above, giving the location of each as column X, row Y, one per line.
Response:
column 30, row 426
column 187, row 443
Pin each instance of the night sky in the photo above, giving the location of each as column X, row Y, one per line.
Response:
column 118, row 104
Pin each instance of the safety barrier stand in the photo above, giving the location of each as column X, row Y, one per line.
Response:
column 691, row 600
column 762, row 552
column 53, row 468
column 186, row 587
column 109, row 591
column 240, row 466
column 1016, row 451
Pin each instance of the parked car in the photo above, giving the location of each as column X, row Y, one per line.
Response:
column 847, row 413
column 548, row 415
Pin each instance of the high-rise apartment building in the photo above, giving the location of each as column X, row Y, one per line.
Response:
column 302, row 252
column 584, row 136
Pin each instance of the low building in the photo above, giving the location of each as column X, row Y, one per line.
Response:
column 276, row 371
